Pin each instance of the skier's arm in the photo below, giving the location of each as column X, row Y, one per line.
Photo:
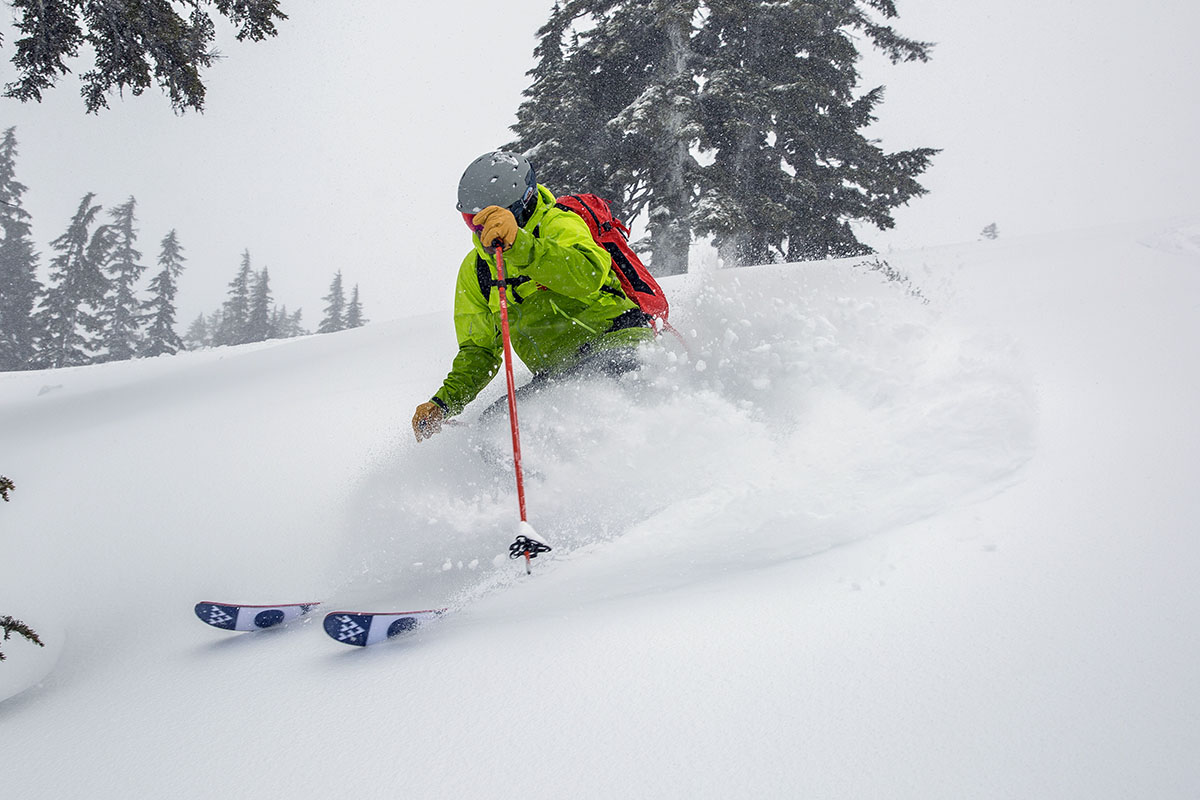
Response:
column 564, row 257
column 473, row 368
column 479, row 345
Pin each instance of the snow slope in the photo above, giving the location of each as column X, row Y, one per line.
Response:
column 847, row 544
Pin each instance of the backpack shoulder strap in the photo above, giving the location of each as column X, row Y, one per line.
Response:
column 483, row 273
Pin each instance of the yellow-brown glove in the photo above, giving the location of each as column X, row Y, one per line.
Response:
column 497, row 223
column 428, row 420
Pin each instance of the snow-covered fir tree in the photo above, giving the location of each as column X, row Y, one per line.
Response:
column 562, row 124
column 612, row 113
column 661, row 125
column 335, row 308
column 20, row 289
column 746, row 64
column 133, row 45
column 766, row 93
column 122, row 317
column 69, row 314
column 840, row 175
column 354, row 311
column 235, row 313
column 259, row 325
column 159, row 311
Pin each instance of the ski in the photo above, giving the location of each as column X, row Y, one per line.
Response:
column 241, row 617
column 365, row 628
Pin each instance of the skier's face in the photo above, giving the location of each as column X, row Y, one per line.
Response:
column 469, row 218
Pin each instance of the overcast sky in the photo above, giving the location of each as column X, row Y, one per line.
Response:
column 338, row 145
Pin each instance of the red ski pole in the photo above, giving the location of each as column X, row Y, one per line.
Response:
column 527, row 543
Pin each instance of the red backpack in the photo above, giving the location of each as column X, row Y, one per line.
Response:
column 612, row 235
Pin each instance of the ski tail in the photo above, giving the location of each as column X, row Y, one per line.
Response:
column 364, row 628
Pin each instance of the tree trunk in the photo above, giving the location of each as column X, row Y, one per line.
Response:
column 670, row 209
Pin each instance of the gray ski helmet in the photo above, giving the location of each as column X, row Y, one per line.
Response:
column 496, row 179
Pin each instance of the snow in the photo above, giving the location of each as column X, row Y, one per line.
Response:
column 848, row 543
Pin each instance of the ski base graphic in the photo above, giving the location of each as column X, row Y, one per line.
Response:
column 239, row 617
column 364, row 628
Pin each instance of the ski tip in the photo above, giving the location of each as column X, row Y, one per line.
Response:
column 237, row 617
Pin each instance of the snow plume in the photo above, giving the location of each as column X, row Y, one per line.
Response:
column 807, row 406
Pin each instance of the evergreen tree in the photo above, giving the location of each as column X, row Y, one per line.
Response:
column 354, row 311
column 279, row 322
column 235, row 313
column 216, row 323
column 335, row 312
column 613, row 114
column 122, row 316
column 258, row 323
column 766, row 91
column 198, row 334
column 746, row 61
column 287, row 326
column 563, row 123
column 161, row 338
column 20, row 289
column 840, row 175
column 295, row 323
column 134, row 44
column 69, row 313
column 659, row 126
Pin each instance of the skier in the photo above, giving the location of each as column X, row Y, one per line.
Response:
column 567, row 312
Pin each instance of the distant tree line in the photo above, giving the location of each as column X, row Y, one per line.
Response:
column 95, row 307
column 249, row 314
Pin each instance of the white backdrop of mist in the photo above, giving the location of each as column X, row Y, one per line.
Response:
column 338, row 144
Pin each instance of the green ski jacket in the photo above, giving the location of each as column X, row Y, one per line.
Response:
column 564, row 302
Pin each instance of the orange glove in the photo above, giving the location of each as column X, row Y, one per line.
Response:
column 497, row 223
column 428, row 420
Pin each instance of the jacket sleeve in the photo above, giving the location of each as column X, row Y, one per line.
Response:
column 479, row 346
column 564, row 258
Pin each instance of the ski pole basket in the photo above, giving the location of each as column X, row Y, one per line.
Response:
column 524, row 547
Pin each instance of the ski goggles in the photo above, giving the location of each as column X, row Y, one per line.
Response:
column 518, row 210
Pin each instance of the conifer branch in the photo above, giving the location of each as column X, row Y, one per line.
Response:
column 11, row 626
